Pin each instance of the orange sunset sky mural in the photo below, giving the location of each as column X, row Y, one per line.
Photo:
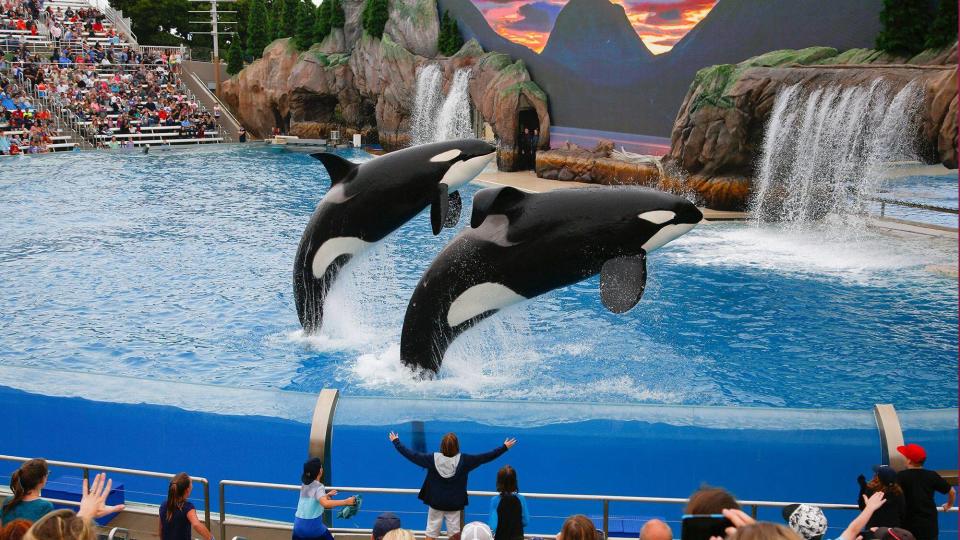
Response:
column 659, row 23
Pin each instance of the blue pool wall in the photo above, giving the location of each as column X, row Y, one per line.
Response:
column 615, row 457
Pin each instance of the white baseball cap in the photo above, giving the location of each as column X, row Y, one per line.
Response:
column 476, row 530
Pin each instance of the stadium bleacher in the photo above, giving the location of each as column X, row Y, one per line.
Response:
column 83, row 83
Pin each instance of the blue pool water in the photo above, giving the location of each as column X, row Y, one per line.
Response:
column 177, row 266
column 938, row 191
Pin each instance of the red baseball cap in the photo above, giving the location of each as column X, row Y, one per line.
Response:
column 913, row 452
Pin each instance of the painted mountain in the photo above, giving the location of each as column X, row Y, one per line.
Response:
column 588, row 30
column 599, row 75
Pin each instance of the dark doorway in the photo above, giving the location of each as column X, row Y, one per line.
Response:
column 528, row 138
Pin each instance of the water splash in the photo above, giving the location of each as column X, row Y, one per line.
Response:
column 435, row 117
column 825, row 151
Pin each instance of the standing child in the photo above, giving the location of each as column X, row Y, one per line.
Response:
column 444, row 489
column 508, row 510
column 314, row 498
column 918, row 486
column 178, row 515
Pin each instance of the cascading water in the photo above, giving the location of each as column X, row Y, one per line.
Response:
column 825, row 151
column 426, row 104
column 453, row 122
column 436, row 118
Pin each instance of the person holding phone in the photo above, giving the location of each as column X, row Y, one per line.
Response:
column 314, row 499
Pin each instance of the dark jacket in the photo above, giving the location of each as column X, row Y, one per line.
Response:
column 447, row 494
column 891, row 514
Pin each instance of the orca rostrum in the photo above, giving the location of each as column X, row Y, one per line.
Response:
column 368, row 201
column 521, row 245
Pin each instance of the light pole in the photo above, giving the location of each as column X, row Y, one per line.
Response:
column 215, row 32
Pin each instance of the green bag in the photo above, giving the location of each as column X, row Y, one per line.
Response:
column 347, row 512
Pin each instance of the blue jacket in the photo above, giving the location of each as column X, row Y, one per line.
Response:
column 446, row 492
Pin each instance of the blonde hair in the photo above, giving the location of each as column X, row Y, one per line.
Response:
column 399, row 534
column 767, row 531
column 61, row 525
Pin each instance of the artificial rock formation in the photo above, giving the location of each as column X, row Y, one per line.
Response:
column 356, row 83
column 598, row 166
column 718, row 133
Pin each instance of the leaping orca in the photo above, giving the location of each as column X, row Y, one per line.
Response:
column 521, row 245
column 366, row 202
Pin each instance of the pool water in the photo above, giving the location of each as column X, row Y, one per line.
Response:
column 177, row 266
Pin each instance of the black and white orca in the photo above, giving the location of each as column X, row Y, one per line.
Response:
column 368, row 201
column 521, row 245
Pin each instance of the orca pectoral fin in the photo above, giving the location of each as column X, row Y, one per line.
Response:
column 439, row 208
column 622, row 281
column 454, row 206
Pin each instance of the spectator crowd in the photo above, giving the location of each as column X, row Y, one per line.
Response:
column 894, row 506
column 109, row 87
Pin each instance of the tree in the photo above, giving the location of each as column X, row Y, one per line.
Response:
column 337, row 17
column 449, row 40
column 904, row 26
column 235, row 57
column 272, row 19
column 257, row 37
column 375, row 16
column 287, row 13
column 943, row 31
column 159, row 22
column 306, row 20
column 321, row 28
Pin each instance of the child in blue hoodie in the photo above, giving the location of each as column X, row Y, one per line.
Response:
column 444, row 489
column 508, row 510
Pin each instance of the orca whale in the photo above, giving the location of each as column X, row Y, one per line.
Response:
column 368, row 201
column 521, row 245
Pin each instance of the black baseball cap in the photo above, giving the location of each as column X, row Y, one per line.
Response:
column 385, row 523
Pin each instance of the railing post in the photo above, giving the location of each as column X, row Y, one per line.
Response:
column 753, row 511
column 206, row 504
column 86, row 475
column 891, row 436
column 606, row 519
column 321, row 437
column 223, row 511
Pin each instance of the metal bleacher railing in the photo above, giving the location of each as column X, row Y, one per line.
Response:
column 241, row 521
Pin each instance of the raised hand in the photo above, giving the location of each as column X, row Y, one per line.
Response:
column 874, row 501
column 739, row 518
column 93, row 501
column 393, row 436
column 509, row 443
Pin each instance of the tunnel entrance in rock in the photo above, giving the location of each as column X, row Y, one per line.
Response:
column 280, row 121
column 310, row 107
column 528, row 135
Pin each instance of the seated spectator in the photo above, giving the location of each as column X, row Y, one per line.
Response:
column 656, row 530
column 385, row 522
column 887, row 533
column 15, row 529
column 894, row 511
column 508, row 511
column 745, row 526
column 476, row 530
column 578, row 527
column 806, row 520
column 710, row 500
column 26, row 484
column 399, row 534
column 178, row 515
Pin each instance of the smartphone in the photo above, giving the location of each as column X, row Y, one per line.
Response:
column 703, row 526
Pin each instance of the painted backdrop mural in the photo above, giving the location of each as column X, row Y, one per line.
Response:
column 626, row 66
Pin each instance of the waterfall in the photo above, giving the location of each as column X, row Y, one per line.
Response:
column 825, row 151
column 438, row 118
column 426, row 104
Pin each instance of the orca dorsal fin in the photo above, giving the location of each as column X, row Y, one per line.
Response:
column 337, row 167
column 493, row 201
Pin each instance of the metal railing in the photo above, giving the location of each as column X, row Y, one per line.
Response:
column 86, row 468
column 910, row 204
column 604, row 500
